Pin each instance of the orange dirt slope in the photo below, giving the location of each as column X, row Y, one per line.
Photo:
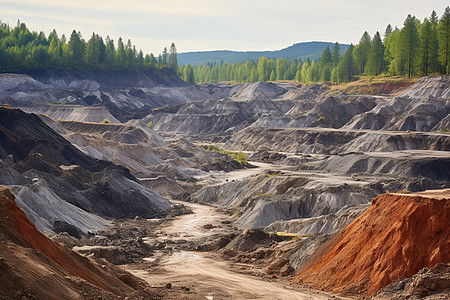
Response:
column 396, row 237
column 31, row 263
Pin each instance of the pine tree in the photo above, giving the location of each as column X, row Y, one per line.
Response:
column 336, row 55
column 326, row 57
column 434, row 44
column 375, row 60
column 344, row 70
column 93, row 50
column 164, row 57
column 425, row 46
column 361, row 52
column 387, row 32
column 76, row 46
column 409, row 44
column 173, row 58
column 444, row 40
column 120, row 53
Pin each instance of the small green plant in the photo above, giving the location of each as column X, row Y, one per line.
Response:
column 59, row 120
column 150, row 124
column 106, row 121
column 321, row 117
column 239, row 156
column 446, row 129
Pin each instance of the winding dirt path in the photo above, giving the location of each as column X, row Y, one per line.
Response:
column 206, row 275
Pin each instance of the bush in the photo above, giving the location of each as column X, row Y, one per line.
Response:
column 150, row 124
column 105, row 121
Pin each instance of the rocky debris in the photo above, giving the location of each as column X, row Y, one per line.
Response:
column 54, row 180
column 264, row 199
column 332, row 141
column 267, row 157
column 434, row 86
column 382, row 245
column 431, row 283
column 62, row 226
column 125, row 94
column 26, row 254
column 69, row 112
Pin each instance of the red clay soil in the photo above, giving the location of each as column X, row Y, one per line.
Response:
column 396, row 237
column 29, row 258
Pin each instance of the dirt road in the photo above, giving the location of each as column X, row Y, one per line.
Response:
column 205, row 275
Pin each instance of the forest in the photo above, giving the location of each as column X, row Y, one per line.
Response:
column 416, row 49
column 22, row 50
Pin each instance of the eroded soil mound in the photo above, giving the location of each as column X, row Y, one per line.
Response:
column 396, row 237
column 33, row 266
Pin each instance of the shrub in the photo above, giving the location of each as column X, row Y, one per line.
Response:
column 150, row 124
column 105, row 121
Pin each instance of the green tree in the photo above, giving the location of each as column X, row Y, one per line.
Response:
column 336, row 55
column 77, row 47
column 326, row 57
column 444, row 40
column 164, row 57
column 425, row 34
column 361, row 52
column 188, row 74
column 344, row 69
column 263, row 69
column 93, row 50
column 387, row 31
column 409, row 44
column 173, row 57
column 273, row 77
column 375, row 60
column 434, row 44
column 120, row 53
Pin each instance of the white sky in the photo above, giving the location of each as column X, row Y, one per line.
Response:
column 196, row 25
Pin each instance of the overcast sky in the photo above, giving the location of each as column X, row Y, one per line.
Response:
column 196, row 25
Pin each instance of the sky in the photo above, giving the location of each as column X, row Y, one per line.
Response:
column 196, row 25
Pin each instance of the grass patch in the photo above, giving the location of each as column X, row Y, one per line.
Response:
column 379, row 85
column 239, row 156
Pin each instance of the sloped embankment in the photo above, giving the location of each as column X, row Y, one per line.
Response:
column 55, row 181
column 33, row 265
column 396, row 237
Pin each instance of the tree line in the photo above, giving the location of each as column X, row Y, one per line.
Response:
column 417, row 49
column 22, row 49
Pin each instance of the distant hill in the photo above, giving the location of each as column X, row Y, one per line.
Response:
column 308, row 49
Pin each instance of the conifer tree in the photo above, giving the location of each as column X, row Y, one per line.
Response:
column 173, row 58
column 375, row 59
column 425, row 46
column 444, row 40
column 336, row 55
column 361, row 53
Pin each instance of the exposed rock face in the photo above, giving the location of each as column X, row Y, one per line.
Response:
column 265, row 199
column 125, row 94
column 33, row 266
column 54, row 180
column 333, row 141
column 422, row 107
column 385, row 243
column 82, row 113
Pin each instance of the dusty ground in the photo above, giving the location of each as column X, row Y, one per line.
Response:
column 205, row 275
